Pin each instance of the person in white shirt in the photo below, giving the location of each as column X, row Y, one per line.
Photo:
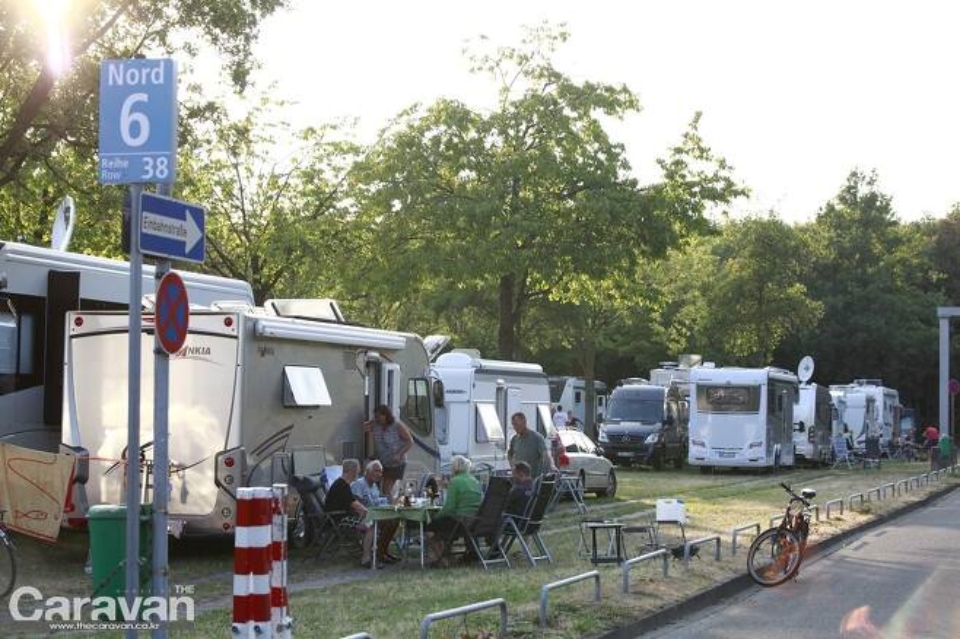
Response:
column 560, row 418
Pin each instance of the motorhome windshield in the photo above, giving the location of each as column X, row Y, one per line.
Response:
column 728, row 399
column 634, row 409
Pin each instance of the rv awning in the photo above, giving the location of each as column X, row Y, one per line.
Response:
column 304, row 386
column 488, row 424
column 285, row 328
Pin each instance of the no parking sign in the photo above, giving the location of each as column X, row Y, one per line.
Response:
column 172, row 313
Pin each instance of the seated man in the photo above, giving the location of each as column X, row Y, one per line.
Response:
column 520, row 491
column 367, row 490
column 341, row 499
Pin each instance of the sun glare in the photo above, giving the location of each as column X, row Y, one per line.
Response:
column 54, row 14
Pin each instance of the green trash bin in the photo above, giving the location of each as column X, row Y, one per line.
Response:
column 108, row 549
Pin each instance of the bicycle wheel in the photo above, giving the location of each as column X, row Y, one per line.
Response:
column 8, row 566
column 774, row 557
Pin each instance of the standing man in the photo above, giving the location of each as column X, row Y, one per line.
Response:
column 528, row 446
column 391, row 441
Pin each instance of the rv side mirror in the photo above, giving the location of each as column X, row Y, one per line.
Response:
column 438, row 393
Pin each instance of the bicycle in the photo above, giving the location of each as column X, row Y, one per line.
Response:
column 776, row 553
column 8, row 561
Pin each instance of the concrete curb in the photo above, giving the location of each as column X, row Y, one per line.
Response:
column 715, row 595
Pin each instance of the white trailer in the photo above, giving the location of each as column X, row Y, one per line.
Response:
column 37, row 287
column 741, row 417
column 255, row 395
column 880, row 408
column 480, row 396
column 813, row 424
column 571, row 393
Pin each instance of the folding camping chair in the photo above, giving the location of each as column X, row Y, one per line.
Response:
column 326, row 530
column 871, row 455
column 483, row 532
column 841, row 453
column 520, row 528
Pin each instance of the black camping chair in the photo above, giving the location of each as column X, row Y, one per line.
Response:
column 326, row 530
column 527, row 526
column 871, row 453
column 483, row 531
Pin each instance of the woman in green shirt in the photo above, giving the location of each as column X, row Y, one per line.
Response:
column 463, row 498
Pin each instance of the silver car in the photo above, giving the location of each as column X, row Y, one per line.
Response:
column 581, row 457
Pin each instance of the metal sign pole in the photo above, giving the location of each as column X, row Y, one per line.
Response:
column 133, row 406
column 161, row 460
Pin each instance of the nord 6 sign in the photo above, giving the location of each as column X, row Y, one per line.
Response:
column 138, row 121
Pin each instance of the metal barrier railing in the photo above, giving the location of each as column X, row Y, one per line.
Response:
column 663, row 554
column 884, row 487
column 739, row 529
column 875, row 489
column 902, row 486
column 855, row 496
column 359, row 635
column 546, row 588
column 699, row 542
column 816, row 512
column 465, row 610
column 776, row 519
column 833, row 502
column 914, row 480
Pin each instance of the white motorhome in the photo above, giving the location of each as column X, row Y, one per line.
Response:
column 813, row 424
column 570, row 392
column 255, row 395
column 741, row 417
column 881, row 411
column 480, row 396
column 37, row 288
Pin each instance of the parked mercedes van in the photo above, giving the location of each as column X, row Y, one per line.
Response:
column 645, row 424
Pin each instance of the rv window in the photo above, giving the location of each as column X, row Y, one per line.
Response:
column 20, row 349
column 488, row 424
column 577, row 397
column 728, row 399
column 304, row 386
column 417, row 409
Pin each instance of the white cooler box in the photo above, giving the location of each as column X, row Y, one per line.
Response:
column 672, row 510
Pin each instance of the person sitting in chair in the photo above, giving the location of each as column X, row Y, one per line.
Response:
column 341, row 499
column 520, row 491
column 367, row 490
column 463, row 498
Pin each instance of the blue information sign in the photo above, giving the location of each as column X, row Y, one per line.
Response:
column 171, row 229
column 138, row 121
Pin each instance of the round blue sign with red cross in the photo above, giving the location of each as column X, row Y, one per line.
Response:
column 172, row 313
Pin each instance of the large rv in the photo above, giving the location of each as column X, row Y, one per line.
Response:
column 570, row 392
column 255, row 395
column 813, row 424
column 480, row 396
column 37, row 288
column 741, row 417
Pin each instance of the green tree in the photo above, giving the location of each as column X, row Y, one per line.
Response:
column 48, row 124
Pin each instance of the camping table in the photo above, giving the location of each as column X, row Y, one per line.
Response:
column 418, row 514
column 614, row 551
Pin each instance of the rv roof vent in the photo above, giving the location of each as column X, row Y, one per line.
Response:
column 689, row 360
column 472, row 352
column 232, row 305
column 669, row 365
column 633, row 380
column 868, row 382
column 321, row 309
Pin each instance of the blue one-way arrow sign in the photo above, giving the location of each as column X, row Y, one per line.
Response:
column 171, row 228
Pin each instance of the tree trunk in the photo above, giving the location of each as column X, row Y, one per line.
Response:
column 507, row 331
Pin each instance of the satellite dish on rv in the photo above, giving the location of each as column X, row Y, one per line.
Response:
column 805, row 369
column 63, row 225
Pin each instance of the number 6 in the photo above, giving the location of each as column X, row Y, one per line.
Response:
column 128, row 119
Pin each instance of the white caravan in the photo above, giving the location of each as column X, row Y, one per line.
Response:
column 480, row 396
column 881, row 411
column 255, row 395
column 570, row 392
column 813, row 424
column 37, row 287
column 741, row 417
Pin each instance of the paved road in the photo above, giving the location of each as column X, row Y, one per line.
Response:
column 898, row 580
